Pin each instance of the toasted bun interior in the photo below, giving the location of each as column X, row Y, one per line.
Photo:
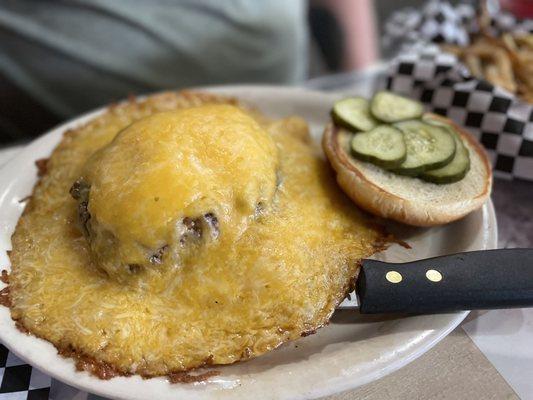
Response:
column 406, row 199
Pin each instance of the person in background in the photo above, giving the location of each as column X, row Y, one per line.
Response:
column 59, row 58
column 344, row 34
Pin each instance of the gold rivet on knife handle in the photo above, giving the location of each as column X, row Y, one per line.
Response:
column 433, row 275
column 393, row 277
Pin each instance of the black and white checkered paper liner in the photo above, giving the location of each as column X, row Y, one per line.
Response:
column 20, row 381
column 440, row 22
column 502, row 122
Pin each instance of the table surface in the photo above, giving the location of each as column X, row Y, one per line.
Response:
column 455, row 368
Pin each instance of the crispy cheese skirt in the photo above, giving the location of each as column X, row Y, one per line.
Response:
column 283, row 277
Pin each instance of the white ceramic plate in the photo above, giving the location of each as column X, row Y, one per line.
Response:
column 351, row 351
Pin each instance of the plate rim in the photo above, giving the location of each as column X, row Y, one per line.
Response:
column 348, row 384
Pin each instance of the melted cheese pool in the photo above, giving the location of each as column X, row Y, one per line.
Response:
column 264, row 280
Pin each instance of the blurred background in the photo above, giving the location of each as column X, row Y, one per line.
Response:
column 60, row 58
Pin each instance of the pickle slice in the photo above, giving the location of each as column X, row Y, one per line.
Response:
column 457, row 168
column 383, row 146
column 428, row 147
column 390, row 107
column 353, row 114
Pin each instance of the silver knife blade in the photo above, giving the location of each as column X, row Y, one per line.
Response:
column 350, row 302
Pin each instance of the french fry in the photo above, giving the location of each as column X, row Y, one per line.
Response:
column 473, row 63
column 483, row 18
column 493, row 75
column 524, row 39
column 505, row 61
column 509, row 42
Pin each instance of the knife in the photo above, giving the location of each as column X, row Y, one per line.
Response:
column 485, row 279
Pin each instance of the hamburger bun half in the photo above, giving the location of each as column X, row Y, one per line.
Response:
column 407, row 199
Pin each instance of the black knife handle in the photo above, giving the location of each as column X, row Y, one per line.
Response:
column 475, row 280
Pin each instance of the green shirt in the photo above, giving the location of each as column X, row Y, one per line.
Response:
column 74, row 55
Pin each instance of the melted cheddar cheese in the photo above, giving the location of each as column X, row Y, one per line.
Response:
column 210, row 160
column 263, row 281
